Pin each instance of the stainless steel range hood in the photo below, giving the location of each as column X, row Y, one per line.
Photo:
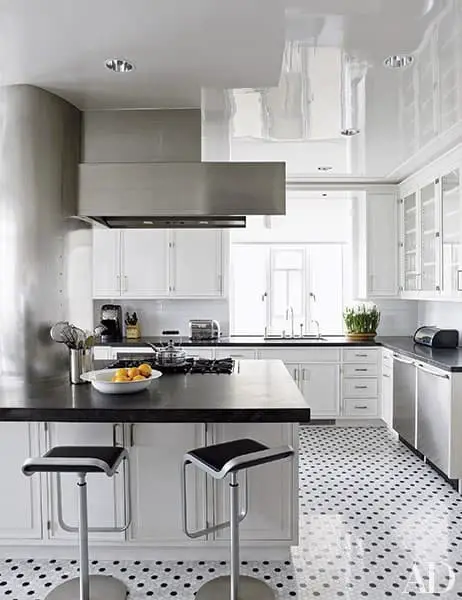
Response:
column 175, row 195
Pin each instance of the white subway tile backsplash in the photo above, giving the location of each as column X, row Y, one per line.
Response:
column 447, row 315
column 398, row 317
column 158, row 315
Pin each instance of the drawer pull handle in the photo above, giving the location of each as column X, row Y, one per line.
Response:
column 360, row 387
column 361, row 406
column 361, row 370
column 361, row 355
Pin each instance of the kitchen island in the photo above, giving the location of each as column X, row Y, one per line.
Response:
column 178, row 412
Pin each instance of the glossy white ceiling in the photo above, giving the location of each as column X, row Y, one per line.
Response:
column 178, row 46
column 276, row 79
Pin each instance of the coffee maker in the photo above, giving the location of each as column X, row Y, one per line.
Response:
column 111, row 318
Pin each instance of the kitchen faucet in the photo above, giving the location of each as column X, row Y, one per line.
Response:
column 318, row 335
column 291, row 311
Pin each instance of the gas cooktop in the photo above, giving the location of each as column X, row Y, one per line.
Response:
column 191, row 365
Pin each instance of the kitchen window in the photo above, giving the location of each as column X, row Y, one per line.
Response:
column 270, row 282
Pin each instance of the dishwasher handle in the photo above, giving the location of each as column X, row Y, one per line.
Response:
column 431, row 371
column 406, row 361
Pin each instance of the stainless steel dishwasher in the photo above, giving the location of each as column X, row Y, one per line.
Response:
column 404, row 398
column 434, row 415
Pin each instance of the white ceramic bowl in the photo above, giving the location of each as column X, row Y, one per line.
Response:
column 101, row 381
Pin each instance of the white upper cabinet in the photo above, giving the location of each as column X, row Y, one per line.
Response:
column 431, row 230
column 429, row 238
column 144, row 259
column 420, row 241
column 409, row 243
column 106, row 263
column 157, row 263
column 196, row 269
column 382, row 244
column 375, row 243
column 451, row 200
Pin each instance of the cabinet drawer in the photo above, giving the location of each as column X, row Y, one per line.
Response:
column 360, row 388
column 234, row 352
column 199, row 351
column 366, row 407
column 360, row 355
column 102, row 353
column 361, row 370
column 301, row 355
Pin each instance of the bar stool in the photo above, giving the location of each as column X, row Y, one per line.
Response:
column 219, row 461
column 83, row 460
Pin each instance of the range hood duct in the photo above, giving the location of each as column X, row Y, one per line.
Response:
column 180, row 195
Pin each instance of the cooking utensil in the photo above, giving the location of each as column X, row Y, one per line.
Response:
column 101, row 381
column 170, row 355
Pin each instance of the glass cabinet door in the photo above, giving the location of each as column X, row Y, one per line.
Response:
column 451, row 199
column 410, row 245
column 429, row 238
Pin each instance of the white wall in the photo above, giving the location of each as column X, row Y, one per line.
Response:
column 157, row 315
column 447, row 315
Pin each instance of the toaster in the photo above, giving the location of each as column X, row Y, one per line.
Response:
column 204, row 329
column 437, row 338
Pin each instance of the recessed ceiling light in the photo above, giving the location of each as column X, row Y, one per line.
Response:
column 398, row 61
column 325, row 168
column 350, row 132
column 119, row 65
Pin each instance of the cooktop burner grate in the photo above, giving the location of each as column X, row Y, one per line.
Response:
column 192, row 365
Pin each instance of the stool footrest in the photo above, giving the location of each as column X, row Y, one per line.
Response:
column 212, row 528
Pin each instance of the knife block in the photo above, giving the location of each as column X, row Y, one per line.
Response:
column 133, row 332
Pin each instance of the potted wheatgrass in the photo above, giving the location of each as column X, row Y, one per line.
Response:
column 361, row 320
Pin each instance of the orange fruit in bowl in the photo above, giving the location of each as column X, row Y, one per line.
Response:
column 145, row 370
column 121, row 378
column 121, row 373
column 133, row 372
column 138, row 378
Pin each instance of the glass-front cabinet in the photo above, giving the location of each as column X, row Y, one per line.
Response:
column 410, row 243
column 451, row 234
column 420, row 241
column 429, row 238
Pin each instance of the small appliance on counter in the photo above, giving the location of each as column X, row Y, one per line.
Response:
column 111, row 318
column 437, row 338
column 204, row 329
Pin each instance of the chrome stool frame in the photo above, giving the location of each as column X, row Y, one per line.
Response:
column 67, row 460
column 234, row 586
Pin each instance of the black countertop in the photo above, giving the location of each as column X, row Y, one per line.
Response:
column 251, row 341
column 260, row 391
column 448, row 360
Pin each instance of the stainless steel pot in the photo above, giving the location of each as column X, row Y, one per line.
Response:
column 170, row 355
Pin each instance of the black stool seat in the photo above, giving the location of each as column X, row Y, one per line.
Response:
column 77, row 459
column 220, row 459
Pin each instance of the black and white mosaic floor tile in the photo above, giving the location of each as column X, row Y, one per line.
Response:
column 375, row 522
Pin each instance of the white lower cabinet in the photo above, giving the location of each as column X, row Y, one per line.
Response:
column 387, row 387
column 156, row 452
column 107, row 496
column 272, row 505
column 320, row 386
column 20, row 502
